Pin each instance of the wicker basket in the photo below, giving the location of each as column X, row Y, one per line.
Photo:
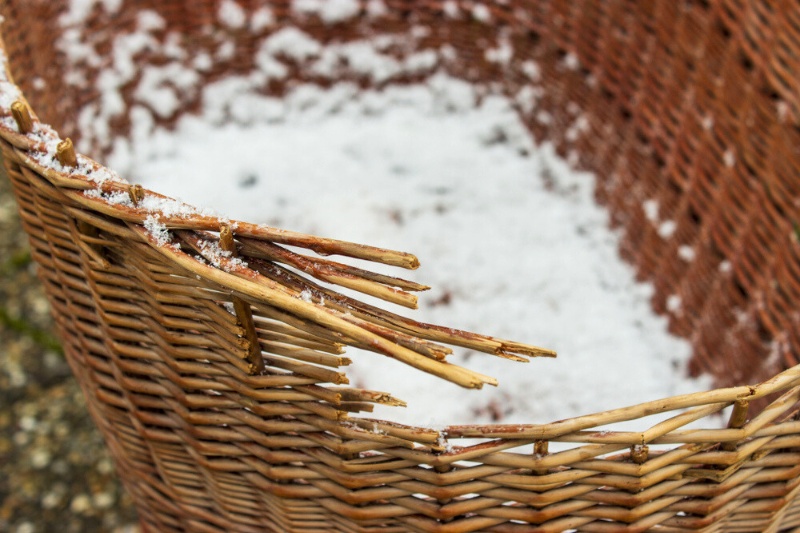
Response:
column 693, row 104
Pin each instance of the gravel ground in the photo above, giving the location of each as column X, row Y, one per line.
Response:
column 55, row 473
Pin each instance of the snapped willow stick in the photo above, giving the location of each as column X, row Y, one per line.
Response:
column 195, row 221
column 242, row 279
column 417, row 330
column 387, row 288
column 300, row 284
column 251, row 283
column 482, row 343
column 74, row 185
column 299, row 342
column 277, row 330
column 363, row 395
column 244, row 314
column 305, row 354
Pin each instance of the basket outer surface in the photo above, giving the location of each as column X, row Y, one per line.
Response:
column 689, row 107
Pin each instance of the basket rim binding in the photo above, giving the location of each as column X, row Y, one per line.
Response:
column 99, row 189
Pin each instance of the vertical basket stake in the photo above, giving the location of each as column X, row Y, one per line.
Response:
column 65, row 153
column 136, row 194
column 84, row 234
column 736, row 421
column 243, row 313
column 639, row 453
column 22, row 116
column 540, row 449
column 443, row 469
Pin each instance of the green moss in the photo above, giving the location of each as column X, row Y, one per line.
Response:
column 41, row 337
column 18, row 260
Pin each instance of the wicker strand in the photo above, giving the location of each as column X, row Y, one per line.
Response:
column 242, row 310
column 65, row 153
column 22, row 116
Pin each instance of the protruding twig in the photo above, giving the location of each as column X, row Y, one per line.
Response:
column 324, row 246
column 284, row 297
column 736, row 421
column 639, row 453
column 198, row 222
column 288, row 278
column 540, row 449
column 22, row 115
column 136, row 193
column 354, row 310
column 362, row 395
column 65, row 153
column 340, row 319
column 383, row 287
column 243, row 312
column 306, row 355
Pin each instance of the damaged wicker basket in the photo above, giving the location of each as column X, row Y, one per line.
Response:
column 242, row 421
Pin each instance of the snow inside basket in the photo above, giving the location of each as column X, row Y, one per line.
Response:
column 357, row 101
column 442, row 167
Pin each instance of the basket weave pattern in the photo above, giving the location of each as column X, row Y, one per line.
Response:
column 691, row 106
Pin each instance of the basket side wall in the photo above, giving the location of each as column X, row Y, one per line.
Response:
column 647, row 95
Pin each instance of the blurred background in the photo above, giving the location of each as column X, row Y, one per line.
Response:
column 55, row 473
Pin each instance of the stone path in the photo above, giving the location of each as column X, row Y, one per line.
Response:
column 55, row 473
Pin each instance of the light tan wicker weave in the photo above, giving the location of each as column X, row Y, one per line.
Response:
column 694, row 104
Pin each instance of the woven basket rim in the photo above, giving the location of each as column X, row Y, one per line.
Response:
column 33, row 148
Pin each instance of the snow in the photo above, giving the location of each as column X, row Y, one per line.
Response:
column 376, row 8
column 232, row 15
column 292, row 43
column 80, row 51
column 686, row 253
column 481, row 13
column 729, row 157
column 502, row 54
column 450, row 8
column 215, row 255
column 9, row 93
column 572, row 62
column 531, row 69
column 160, row 88
column 330, row 11
column 430, row 170
column 79, row 10
column 674, row 303
column 262, row 18
column 157, row 230
column 367, row 59
column 226, row 51
column 650, row 208
column 666, row 229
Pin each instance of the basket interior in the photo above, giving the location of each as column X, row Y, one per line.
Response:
column 666, row 126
